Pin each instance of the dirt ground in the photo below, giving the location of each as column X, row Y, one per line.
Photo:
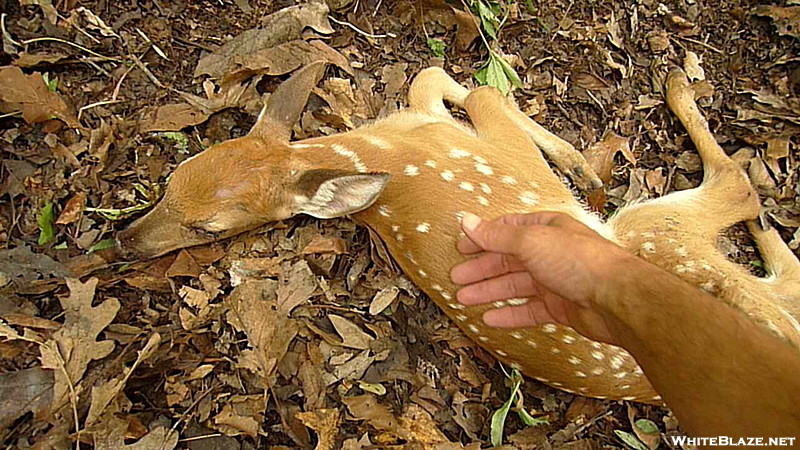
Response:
column 100, row 101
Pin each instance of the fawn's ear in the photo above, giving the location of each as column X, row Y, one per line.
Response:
column 325, row 193
column 285, row 105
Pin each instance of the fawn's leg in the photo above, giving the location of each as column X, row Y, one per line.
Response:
column 430, row 88
column 562, row 153
column 725, row 196
column 781, row 264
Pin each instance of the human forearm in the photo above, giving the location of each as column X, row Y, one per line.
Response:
column 721, row 373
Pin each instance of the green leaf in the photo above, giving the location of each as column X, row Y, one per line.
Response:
column 61, row 246
column 47, row 228
column 499, row 422
column 631, row 440
column 647, row 426
column 531, row 421
column 511, row 74
column 180, row 140
column 488, row 18
column 52, row 85
column 492, row 74
column 102, row 245
column 375, row 388
column 436, row 47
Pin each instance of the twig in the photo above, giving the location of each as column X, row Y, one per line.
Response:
column 708, row 46
column 558, row 28
column 6, row 34
column 147, row 72
column 62, row 41
column 361, row 32
column 92, row 105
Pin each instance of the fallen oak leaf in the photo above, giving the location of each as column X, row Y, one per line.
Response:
column 104, row 394
column 279, row 27
column 601, row 155
column 326, row 423
column 76, row 342
column 112, row 433
column 30, row 94
column 786, row 19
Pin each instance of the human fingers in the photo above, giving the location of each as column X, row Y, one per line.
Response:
column 486, row 266
column 512, row 285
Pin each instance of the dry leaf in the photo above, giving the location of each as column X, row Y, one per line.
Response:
column 777, row 148
column 352, row 335
column 30, row 94
column 421, row 426
column 326, row 423
column 383, row 299
column 73, row 210
column 325, row 245
column 601, row 155
column 242, row 414
column 786, row 19
column 172, row 117
column 254, row 310
column 297, row 287
column 366, row 407
column 48, row 9
column 104, row 394
column 277, row 28
column 691, row 65
column 23, row 391
column 75, row 344
column 111, row 436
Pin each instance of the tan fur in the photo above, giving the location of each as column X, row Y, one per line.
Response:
column 441, row 168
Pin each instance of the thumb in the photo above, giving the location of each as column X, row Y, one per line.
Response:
column 492, row 236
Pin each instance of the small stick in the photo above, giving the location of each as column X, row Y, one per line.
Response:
column 363, row 33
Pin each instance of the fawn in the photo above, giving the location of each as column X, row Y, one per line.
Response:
column 410, row 176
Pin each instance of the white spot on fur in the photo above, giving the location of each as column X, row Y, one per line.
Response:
column 629, row 398
column 410, row 257
column 474, row 329
column 460, row 215
column 484, row 169
column 351, row 155
column 399, row 237
column 483, row 338
column 384, row 211
column 424, row 227
column 395, row 228
column 501, row 353
column 458, row 153
column 483, row 200
column 457, row 306
column 682, row 252
column 709, row 286
column 517, row 301
column 299, row 146
column 431, row 163
column 411, row 170
column 597, row 371
column 499, row 304
column 446, row 296
column 568, row 339
column 617, row 361
column 598, row 356
column 448, row 175
column 649, row 247
column 580, row 374
column 532, row 343
column 467, row 186
column 486, row 188
column 657, row 398
column 461, row 317
column 574, row 360
column 508, row 179
column 422, row 273
column 625, row 386
column 480, row 160
column 597, row 345
column 516, row 335
column 620, row 375
column 528, row 198
column 436, row 287
column 377, row 142
column 555, row 350
column 549, row 328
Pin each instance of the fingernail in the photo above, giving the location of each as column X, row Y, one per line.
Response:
column 470, row 221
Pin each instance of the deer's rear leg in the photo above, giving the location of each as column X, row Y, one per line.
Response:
column 430, row 88
column 725, row 196
column 781, row 264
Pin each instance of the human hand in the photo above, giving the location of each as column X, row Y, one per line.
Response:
column 563, row 266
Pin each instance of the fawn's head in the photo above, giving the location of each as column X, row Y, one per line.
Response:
column 244, row 183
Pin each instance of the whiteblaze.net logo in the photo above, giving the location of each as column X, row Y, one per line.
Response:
column 732, row 441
